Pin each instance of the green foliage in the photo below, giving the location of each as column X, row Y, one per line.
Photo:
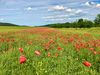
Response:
column 83, row 23
column 97, row 19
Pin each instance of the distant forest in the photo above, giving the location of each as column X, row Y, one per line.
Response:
column 80, row 23
column 7, row 24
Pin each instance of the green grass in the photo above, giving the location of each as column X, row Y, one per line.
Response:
column 94, row 31
column 67, row 61
column 12, row 28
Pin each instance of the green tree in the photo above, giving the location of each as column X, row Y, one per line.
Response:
column 84, row 23
column 97, row 20
column 88, row 24
column 80, row 23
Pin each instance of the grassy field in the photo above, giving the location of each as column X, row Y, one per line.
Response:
column 49, row 51
column 12, row 28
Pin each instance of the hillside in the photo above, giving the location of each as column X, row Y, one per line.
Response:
column 7, row 24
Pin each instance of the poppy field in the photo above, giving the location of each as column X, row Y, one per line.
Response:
column 50, row 51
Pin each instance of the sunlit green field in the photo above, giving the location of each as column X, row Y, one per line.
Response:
column 49, row 51
column 12, row 28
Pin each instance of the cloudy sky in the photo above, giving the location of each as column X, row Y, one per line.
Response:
column 41, row 12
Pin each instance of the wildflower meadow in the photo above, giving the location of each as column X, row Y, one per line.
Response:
column 50, row 51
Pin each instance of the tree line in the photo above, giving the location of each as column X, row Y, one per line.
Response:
column 7, row 24
column 80, row 23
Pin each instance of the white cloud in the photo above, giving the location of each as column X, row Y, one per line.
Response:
column 55, row 20
column 66, row 9
column 98, row 5
column 56, row 8
column 55, row 16
column 69, row 18
column 29, row 8
column 68, row 13
column 69, row 10
column 92, row 4
column 79, row 11
column 1, row 19
column 48, row 17
column 89, row 3
column 61, row 19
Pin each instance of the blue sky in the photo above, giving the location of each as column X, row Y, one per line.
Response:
column 41, row 12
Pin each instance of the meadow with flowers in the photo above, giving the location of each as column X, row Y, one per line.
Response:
column 50, row 51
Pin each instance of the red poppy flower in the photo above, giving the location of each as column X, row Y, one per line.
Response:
column 2, row 40
column 21, row 50
column 22, row 59
column 12, row 40
column 86, row 63
column 37, row 52
column 59, row 48
column 94, row 52
column 49, row 54
column 92, row 49
column 77, row 46
column 56, row 54
column 71, row 39
column 7, row 40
